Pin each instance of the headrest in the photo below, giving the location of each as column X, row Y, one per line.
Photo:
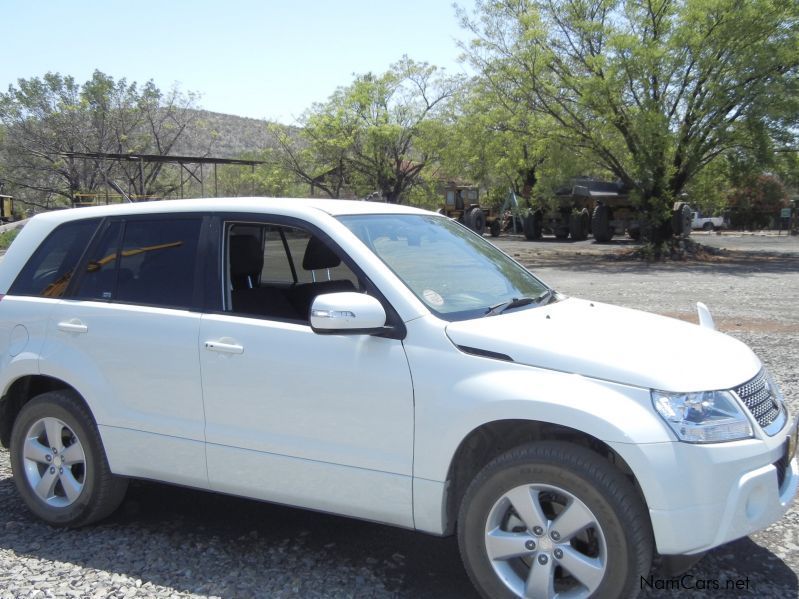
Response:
column 246, row 255
column 319, row 256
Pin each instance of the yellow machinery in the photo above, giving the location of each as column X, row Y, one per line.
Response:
column 6, row 208
column 462, row 203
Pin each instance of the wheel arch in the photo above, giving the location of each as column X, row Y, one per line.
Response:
column 20, row 392
column 492, row 439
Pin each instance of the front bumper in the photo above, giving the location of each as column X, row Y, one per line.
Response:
column 754, row 503
column 702, row 496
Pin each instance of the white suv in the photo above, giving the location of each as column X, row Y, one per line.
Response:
column 384, row 363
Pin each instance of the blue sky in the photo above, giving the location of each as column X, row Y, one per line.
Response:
column 268, row 59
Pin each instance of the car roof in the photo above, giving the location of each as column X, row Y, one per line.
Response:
column 285, row 206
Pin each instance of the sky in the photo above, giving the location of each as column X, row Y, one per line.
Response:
column 269, row 59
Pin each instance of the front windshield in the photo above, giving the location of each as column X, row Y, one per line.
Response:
column 457, row 274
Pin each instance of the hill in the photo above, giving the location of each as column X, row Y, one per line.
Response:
column 224, row 136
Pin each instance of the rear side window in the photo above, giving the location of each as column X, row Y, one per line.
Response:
column 150, row 262
column 100, row 273
column 51, row 267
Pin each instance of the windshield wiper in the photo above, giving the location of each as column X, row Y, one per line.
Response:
column 518, row 302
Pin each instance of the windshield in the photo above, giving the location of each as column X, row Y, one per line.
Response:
column 457, row 274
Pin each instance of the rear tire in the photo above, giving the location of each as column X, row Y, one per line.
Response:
column 494, row 227
column 59, row 463
column 681, row 220
column 555, row 517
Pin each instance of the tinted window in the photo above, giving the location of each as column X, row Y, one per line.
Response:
column 52, row 265
column 154, row 263
column 100, row 274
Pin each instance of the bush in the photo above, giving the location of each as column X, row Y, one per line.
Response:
column 6, row 237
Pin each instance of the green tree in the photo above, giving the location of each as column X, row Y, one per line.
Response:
column 653, row 90
column 492, row 143
column 755, row 204
column 377, row 134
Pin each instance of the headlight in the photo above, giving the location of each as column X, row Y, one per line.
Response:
column 705, row 417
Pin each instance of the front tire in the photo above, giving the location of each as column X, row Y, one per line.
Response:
column 59, row 463
column 552, row 517
column 579, row 224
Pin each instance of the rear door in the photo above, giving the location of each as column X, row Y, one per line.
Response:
column 127, row 336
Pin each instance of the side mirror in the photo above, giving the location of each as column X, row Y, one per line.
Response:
column 347, row 313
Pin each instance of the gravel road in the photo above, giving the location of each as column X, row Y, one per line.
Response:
column 172, row 542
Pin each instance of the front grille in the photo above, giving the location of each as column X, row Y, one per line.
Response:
column 759, row 398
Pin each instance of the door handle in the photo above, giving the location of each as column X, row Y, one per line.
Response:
column 73, row 326
column 225, row 348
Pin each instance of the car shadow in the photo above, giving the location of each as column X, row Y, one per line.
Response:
column 205, row 543
column 741, row 568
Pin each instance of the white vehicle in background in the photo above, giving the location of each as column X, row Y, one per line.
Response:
column 707, row 223
column 386, row 363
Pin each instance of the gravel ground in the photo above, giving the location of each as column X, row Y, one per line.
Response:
column 172, row 542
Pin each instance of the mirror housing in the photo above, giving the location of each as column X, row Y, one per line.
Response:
column 347, row 313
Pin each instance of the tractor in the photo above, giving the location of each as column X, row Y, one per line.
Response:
column 462, row 203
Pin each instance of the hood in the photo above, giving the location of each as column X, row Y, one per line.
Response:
column 612, row 343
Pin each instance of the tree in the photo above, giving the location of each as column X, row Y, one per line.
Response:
column 652, row 90
column 755, row 204
column 155, row 124
column 48, row 119
column 492, row 142
column 268, row 179
column 378, row 133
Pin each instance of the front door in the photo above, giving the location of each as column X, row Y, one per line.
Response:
column 319, row 421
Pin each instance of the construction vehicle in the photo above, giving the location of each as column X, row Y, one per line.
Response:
column 462, row 203
column 602, row 209
column 571, row 211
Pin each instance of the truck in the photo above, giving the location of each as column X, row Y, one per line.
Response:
column 706, row 223
column 586, row 207
column 599, row 208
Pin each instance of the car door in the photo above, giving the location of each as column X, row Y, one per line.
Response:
column 126, row 334
column 319, row 421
